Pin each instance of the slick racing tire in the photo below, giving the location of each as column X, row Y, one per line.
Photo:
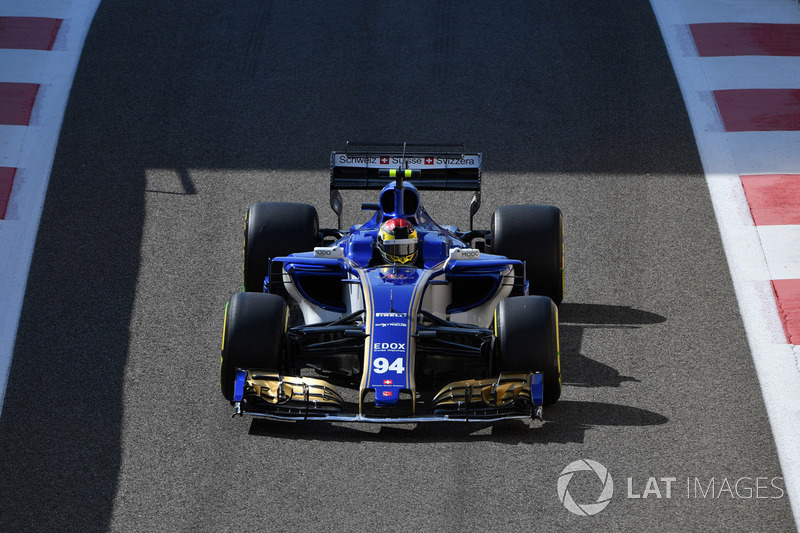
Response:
column 533, row 234
column 274, row 229
column 253, row 336
column 527, row 340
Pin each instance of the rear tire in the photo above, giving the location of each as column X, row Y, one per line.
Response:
column 527, row 340
column 274, row 229
column 253, row 336
column 534, row 234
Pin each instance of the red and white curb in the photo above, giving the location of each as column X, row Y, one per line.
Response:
column 40, row 45
column 738, row 66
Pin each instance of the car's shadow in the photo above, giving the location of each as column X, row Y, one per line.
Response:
column 575, row 319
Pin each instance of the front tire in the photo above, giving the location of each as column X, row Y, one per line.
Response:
column 527, row 340
column 253, row 336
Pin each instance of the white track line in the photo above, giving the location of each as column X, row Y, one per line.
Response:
column 782, row 249
column 23, row 66
column 32, row 152
column 766, row 152
column 748, row 72
column 697, row 11
column 11, row 141
column 775, row 360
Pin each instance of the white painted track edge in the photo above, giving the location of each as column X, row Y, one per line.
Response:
column 774, row 359
column 35, row 160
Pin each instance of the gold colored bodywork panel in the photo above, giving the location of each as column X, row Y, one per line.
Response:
column 276, row 389
column 502, row 391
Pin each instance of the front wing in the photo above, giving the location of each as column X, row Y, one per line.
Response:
column 266, row 393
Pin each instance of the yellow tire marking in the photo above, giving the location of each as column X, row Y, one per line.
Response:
column 224, row 326
column 558, row 349
column 224, row 330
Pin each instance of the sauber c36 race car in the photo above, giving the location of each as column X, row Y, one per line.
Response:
column 398, row 319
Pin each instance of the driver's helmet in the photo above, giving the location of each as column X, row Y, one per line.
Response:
column 398, row 241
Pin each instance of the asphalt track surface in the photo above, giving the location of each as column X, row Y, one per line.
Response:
column 180, row 118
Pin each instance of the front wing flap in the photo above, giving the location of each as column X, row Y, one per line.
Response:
column 507, row 395
column 266, row 393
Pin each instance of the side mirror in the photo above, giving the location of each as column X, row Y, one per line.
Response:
column 329, row 252
column 457, row 254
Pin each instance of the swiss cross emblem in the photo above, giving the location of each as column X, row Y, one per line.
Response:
column 428, row 160
column 387, row 393
column 387, row 381
column 384, row 160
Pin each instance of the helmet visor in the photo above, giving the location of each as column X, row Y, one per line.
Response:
column 400, row 247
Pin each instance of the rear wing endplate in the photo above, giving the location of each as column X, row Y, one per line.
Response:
column 437, row 167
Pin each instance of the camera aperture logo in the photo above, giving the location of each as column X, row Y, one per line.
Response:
column 585, row 509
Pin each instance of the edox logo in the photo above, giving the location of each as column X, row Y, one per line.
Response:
column 390, row 346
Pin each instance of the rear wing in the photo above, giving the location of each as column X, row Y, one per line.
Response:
column 442, row 167
column 434, row 167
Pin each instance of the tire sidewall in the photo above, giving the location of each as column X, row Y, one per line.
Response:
column 533, row 234
column 274, row 229
column 527, row 340
column 253, row 336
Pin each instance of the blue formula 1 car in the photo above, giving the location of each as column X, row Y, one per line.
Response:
column 398, row 319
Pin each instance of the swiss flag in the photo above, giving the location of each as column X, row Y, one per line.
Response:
column 384, row 160
column 428, row 160
column 387, row 393
column 387, row 381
